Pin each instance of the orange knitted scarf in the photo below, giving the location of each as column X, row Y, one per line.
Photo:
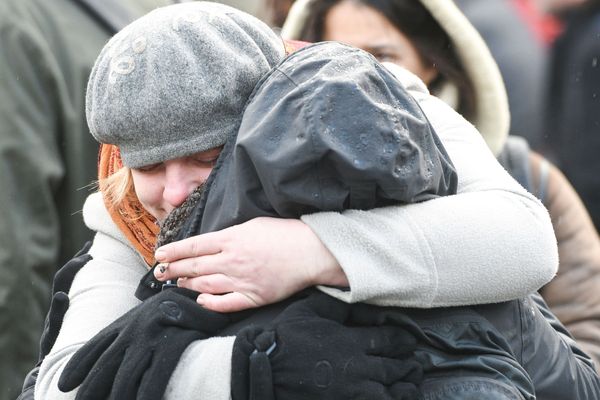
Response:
column 138, row 226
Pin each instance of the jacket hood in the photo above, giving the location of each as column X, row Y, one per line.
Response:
column 492, row 117
column 311, row 139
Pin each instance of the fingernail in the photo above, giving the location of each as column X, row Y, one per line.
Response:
column 162, row 267
column 200, row 300
column 160, row 255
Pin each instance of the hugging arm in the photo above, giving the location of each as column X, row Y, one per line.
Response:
column 102, row 291
column 491, row 242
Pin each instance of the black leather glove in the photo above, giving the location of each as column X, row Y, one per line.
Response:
column 313, row 350
column 134, row 357
column 63, row 279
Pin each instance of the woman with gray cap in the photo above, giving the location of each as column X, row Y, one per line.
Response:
column 147, row 118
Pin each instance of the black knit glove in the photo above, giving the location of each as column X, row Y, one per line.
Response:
column 313, row 351
column 134, row 357
column 63, row 279
column 54, row 319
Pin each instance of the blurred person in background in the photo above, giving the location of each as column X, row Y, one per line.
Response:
column 443, row 49
column 521, row 57
column 47, row 156
column 573, row 97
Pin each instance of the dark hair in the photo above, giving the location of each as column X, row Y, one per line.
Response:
column 416, row 22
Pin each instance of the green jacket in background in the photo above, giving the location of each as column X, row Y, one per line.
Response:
column 47, row 159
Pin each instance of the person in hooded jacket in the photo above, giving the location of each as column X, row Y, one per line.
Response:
column 434, row 40
column 103, row 290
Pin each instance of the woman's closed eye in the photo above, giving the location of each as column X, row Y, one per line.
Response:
column 150, row 168
column 206, row 161
column 207, row 158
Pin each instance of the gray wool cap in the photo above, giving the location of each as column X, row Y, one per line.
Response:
column 175, row 82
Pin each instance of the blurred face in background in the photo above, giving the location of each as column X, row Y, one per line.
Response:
column 361, row 26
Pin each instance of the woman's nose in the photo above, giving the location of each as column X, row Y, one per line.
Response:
column 178, row 186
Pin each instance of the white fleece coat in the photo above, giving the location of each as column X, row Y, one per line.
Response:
column 491, row 242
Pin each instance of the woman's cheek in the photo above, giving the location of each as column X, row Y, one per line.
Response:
column 148, row 190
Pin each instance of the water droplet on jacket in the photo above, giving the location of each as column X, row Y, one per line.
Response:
column 398, row 171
